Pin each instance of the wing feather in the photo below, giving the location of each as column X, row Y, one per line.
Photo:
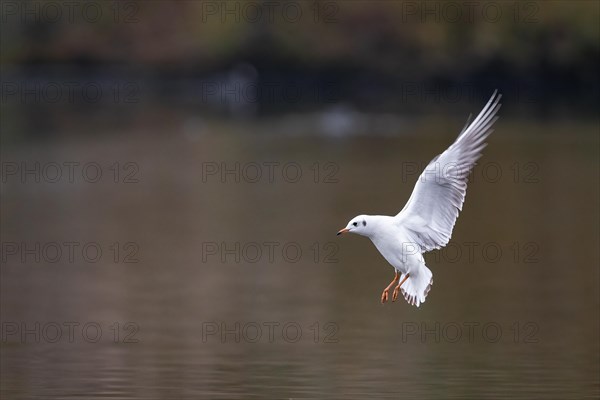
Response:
column 432, row 209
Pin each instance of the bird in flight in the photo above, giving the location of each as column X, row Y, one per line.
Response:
column 426, row 221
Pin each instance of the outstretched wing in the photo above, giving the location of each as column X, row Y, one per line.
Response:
column 430, row 213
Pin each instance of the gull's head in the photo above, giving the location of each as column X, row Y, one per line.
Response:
column 359, row 225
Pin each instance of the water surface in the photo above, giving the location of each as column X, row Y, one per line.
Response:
column 513, row 312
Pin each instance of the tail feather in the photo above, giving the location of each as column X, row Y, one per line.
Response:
column 417, row 286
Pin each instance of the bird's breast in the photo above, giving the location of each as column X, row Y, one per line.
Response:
column 394, row 250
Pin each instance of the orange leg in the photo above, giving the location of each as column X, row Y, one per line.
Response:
column 397, row 289
column 384, row 295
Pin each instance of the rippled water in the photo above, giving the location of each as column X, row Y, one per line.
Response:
column 173, row 309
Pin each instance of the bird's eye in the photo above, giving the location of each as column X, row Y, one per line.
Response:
column 364, row 223
column 355, row 224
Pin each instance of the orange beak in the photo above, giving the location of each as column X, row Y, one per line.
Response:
column 343, row 231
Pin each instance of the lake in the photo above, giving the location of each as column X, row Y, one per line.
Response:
column 197, row 258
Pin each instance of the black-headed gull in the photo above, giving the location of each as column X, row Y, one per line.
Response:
column 426, row 221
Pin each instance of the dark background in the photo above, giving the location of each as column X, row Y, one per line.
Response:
column 357, row 96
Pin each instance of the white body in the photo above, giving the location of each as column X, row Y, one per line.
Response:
column 427, row 220
column 395, row 245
